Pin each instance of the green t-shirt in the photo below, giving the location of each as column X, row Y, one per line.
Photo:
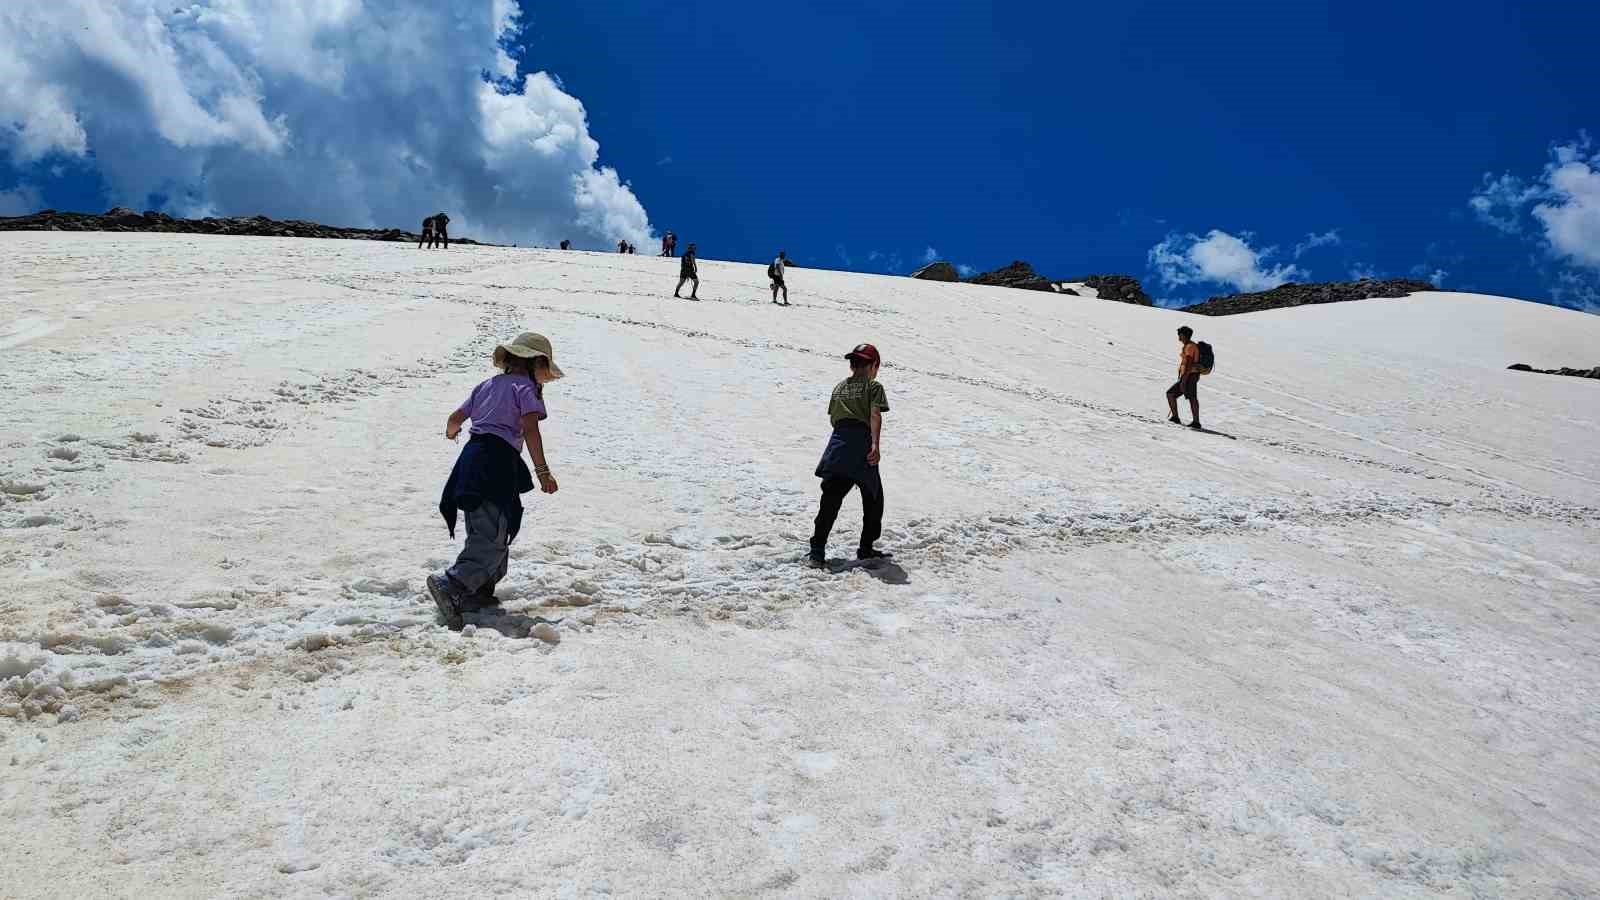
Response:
column 855, row 398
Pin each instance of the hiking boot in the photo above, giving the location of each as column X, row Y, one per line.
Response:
column 1175, row 420
column 445, row 597
column 1196, row 425
column 817, row 559
column 869, row 553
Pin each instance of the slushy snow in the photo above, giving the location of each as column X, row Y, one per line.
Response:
column 1346, row 645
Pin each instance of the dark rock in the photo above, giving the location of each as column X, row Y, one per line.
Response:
column 937, row 271
column 1305, row 294
column 122, row 219
column 1564, row 370
column 1121, row 288
column 1071, row 292
column 1017, row 275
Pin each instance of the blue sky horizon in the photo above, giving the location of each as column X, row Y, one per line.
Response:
column 1203, row 150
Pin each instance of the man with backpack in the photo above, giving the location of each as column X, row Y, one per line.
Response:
column 688, row 271
column 441, row 230
column 1194, row 360
column 775, row 272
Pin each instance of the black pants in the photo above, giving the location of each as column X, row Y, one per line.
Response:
column 833, row 494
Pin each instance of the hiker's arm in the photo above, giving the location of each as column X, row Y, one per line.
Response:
column 530, row 434
column 452, row 425
column 877, row 429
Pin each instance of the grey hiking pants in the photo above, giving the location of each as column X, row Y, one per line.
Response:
column 483, row 561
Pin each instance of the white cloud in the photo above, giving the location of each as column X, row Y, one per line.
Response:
column 1221, row 258
column 1564, row 199
column 1313, row 241
column 337, row 110
column 20, row 201
column 930, row 255
column 966, row 270
column 1363, row 270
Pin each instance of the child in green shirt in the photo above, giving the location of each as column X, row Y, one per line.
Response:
column 851, row 458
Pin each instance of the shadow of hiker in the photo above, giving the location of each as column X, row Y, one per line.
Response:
column 1217, row 433
column 886, row 571
column 512, row 625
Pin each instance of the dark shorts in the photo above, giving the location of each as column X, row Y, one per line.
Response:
column 777, row 282
column 1188, row 386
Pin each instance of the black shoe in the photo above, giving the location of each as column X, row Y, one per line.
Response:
column 869, row 553
column 444, row 597
column 817, row 559
column 1175, row 420
column 1196, row 425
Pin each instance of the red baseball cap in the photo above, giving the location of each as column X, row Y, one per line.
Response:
column 866, row 353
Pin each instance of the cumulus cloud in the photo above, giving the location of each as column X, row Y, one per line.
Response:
column 1363, row 270
column 966, row 270
column 1219, row 258
column 930, row 255
column 338, row 110
column 1313, row 241
column 1564, row 201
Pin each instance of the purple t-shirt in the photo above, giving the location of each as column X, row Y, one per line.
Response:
column 497, row 406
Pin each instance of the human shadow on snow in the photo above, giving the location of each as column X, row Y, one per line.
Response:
column 886, row 571
column 512, row 625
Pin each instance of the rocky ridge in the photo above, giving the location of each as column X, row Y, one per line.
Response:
column 937, row 271
column 1018, row 275
column 1294, row 294
column 123, row 219
column 1575, row 373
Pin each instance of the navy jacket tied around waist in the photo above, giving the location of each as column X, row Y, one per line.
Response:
column 489, row 468
column 846, row 457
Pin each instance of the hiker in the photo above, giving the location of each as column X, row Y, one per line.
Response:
column 622, row 246
column 851, row 458
column 688, row 271
column 427, row 232
column 669, row 245
column 489, row 475
column 441, row 230
column 775, row 272
column 1188, row 383
column 566, row 245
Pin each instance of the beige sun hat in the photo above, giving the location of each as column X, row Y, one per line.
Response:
column 531, row 344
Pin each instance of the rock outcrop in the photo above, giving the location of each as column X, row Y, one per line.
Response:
column 1121, row 288
column 1305, row 294
column 937, row 271
column 1575, row 373
column 123, row 219
column 1017, row 275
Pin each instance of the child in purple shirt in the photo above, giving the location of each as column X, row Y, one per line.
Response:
column 490, row 476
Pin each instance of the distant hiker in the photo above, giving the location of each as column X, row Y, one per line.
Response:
column 669, row 245
column 688, row 271
column 427, row 232
column 441, row 230
column 622, row 246
column 489, row 475
column 566, row 245
column 775, row 272
column 851, row 458
column 632, row 249
column 1188, row 384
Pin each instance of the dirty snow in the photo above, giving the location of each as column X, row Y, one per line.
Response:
column 1346, row 645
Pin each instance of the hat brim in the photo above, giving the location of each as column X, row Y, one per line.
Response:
column 530, row 353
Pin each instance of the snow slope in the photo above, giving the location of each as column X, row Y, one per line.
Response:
column 1348, row 645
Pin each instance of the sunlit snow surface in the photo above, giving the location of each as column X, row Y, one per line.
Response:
column 1349, row 645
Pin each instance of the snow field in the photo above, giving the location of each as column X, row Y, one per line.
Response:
column 1346, row 646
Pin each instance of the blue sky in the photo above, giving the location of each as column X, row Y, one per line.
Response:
column 1203, row 148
